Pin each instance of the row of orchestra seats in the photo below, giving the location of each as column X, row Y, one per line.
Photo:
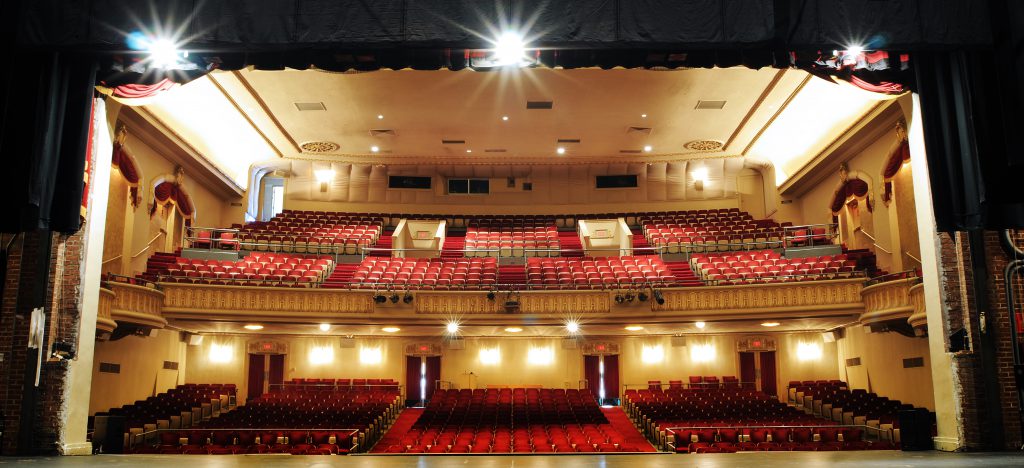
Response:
column 765, row 266
column 836, row 402
column 233, row 442
column 532, row 420
column 300, row 385
column 172, row 403
column 709, row 382
column 257, row 269
column 732, row 440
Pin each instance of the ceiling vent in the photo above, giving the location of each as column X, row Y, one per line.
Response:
column 319, row 147
column 310, row 106
column 630, row 151
column 704, row 145
column 383, row 132
column 453, row 142
column 638, row 131
column 539, row 104
column 568, row 140
column 710, row 104
column 495, row 150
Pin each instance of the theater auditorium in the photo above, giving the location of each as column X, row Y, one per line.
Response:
column 605, row 231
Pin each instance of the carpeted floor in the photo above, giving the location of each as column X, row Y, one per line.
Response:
column 618, row 419
column 402, row 425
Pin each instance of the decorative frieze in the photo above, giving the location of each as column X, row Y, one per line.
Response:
column 758, row 299
column 138, row 305
column 918, row 318
column 888, row 301
column 206, row 301
column 105, row 324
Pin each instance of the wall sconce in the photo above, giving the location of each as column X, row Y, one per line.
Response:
column 700, row 176
column 324, row 176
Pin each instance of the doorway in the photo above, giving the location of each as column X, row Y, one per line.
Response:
column 758, row 371
column 266, row 374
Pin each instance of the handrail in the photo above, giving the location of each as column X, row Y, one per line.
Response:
column 867, row 429
column 905, row 274
column 111, row 259
column 918, row 260
column 695, row 385
column 142, row 437
column 873, row 240
column 150, row 243
column 132, row 280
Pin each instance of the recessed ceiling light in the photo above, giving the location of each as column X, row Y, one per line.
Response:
column 375, row 148
column 699, row 325
column 513, row 329
column 647, row 149
column 452, row 327
column 643, row 116
column 380, row 116
column 560, row 150
column 572, row 326
column 253, row 326
column 505, row 118
column 469, row 151
column 391, row 329
column 770, row 324
column 325, row 327
column 634, row 328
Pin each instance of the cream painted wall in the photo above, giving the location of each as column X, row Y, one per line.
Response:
column 749, row 185
column 142, row 373
column 881, row 370
column 551, row 207
column 514, row 367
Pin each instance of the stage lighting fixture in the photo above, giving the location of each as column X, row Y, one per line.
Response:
column 379, row 298
column 509, row 49
column 572, row 326
column 629, row 296
column 407, row 298
column 394, row 298
column 491, row 295
column 642, row 296
column 163, row 53
column 658, row 297
column 452, row 327
column 619, row 299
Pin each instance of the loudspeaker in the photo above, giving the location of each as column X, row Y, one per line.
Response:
column 915, row 430
column 195, row 340
column 829, row 336
column 678, row 341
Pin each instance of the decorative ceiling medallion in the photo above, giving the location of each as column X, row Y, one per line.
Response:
column 704, row 145
column 319, row 147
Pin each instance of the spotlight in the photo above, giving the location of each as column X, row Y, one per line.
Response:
column 560, row 150
column 572, row 326
column 619, row 299
column 642, row 296
column 629, row 297
column 700, row 325
column 379, row 298
column 509, row 49
column 407, row 298
column 394, row 298
column 658, row 297
column 504, row 118
column 491, row 295
column 452, row 327
column 163, row 53
column 855, row 49
column 325, row 327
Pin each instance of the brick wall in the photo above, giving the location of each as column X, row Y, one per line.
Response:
column 962, row 311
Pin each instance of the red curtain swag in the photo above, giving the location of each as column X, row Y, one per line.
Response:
column 855, row 188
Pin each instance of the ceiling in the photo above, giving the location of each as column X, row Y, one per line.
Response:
column 240, row 118
column 609, row 326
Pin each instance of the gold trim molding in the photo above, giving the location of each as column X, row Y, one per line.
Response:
column 201, row 301
column 888, row 301
column 810, row 298
column 137, row 305
column 105, row 323
column 918, row 318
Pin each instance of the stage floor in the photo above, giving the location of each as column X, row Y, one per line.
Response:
column 753, row 460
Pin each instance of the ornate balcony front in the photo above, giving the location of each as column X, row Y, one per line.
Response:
column 887, row 305
column 136, row 305
column 105, row 324
column 918, row 319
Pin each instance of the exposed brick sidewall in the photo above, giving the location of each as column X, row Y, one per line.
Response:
column 962, row 311
column 63, row 306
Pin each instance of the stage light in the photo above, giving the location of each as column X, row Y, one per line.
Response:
column 619, row 299
column 452, row 327
column 407, row 298
column 699, row 325
column 253, row 327
column 658, row 297
column 629, row 297
column 490, row 356
column 770, row 324
column 324, row 175
column 513, row 329
column 648, row 148
column 394, row 298
column 163, row 53
column 374, row 149
column 510, row 49
column 560, row 150
column 491, row 295
column 379, row 298
column 391, row 329
column 221, row 353
column 642, row 296
column 634, row 328
column 504, row 118
column 855, row 49
column 325, row 327
column 572, row 326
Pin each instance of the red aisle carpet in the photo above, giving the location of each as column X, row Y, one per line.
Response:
column 402, row 425
column 618, row 419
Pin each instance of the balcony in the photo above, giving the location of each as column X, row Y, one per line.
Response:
column 918, row 319
column 105, row 324
column 137, row 305
column 888, row 304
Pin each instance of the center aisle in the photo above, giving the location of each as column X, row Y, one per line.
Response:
column 402, row 425
column 618, row 419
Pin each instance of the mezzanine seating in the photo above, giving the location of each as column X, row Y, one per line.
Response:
column 512, row 241
column 507, row 420
column 600, row 272
column 725, row 229
column 258, row 269
column 432, row 273
column 768, row 266
column 315, row 232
